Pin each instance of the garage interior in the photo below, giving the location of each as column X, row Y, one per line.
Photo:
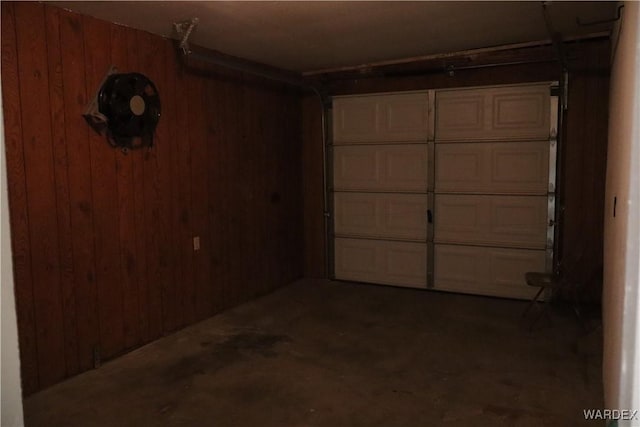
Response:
column 334, row 218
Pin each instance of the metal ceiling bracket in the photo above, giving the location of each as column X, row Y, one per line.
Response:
column 183, row 30
column 92, row 114
column 556, row 37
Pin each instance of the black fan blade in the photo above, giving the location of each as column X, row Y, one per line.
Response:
column 152, row 102
column 150, row 90
column 140, row 84
column 120, row 107
column 123, row 89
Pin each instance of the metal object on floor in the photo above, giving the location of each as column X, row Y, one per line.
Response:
column 548, row 283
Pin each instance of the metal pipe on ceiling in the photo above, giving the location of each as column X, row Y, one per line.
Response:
column 256, row 69
column 469, row 52
column 449, row 69
column 186, row 28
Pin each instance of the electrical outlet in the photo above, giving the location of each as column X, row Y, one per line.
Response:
column 196, row 243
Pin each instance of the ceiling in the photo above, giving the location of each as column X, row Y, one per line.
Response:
column 314, row 35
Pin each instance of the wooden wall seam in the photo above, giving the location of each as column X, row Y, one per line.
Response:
column 56, row 90
column 80, row 192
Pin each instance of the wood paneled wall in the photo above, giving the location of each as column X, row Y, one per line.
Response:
column 584, row 149
column 102, row 241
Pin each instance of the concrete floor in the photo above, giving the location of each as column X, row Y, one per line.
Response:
column 319, row 353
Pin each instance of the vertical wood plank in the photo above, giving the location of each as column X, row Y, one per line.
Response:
column 80, row 193
column 220, row 98
column 265, row 187
column 292, row 247
column 56, row 97
column 214, row 219
column 297, row 209
column 265, row 252
column 138, row 185
column 16, row 180
column 168, row 167
column 595, row 170
column 126, row 211
column 199, row 195
column 271, row 194
column 314, row 239
column 41, row 192
column 572, row 178
column 148, row 65
column 139, row 160
column 245, row 168
column 105, row 198
column 180, row 241
column 182, row 200
column 229, row 103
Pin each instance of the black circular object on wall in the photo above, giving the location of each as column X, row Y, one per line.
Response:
column 131, row 105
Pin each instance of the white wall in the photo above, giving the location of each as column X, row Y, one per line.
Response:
column 621, row 299
column 10, row 390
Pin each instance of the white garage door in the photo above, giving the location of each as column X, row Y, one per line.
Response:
column 380, row 183
column 448, row 189
column 492, row 211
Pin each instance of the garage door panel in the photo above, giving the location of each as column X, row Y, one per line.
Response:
column 513, row 221
column 459, row 115
column 404, row 117
column 525, row 164
column 506, row 113
column 356, row 214
column 522, row 113
column 355, row 119
column 519, row 220
column 457, row 217
column 406, row 264
column 381, row 168
column 456, row 265
column 380, row 261
column 404, row 216
column 508, row 267
column 355, row 258
column 405, row 167
column 493, row 167
column 400, row 216
column 486, row 271
column 459, row 165
column 354, row 168
column 390, row 118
